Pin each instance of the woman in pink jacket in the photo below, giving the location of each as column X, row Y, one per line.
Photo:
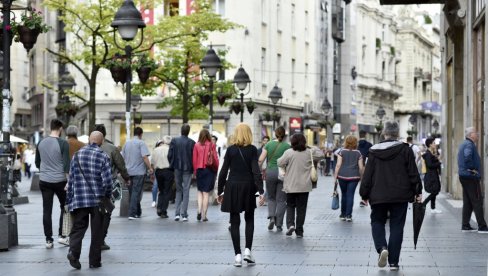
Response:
column 205, row 166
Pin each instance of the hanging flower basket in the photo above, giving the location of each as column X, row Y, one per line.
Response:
column 204, row 98
column 221, row 97
column 266, row 116
column 66, row 108
column 10, row 37
column 251, row 106
column 237, row 107
column 119, row 67
column 144, row 73
column 276, row 117
column 379, row 127
column 28, row 28
column 412, row 132
column 144, row 66
column 138, row 118
column 28, row 37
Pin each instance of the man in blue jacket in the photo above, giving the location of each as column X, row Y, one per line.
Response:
column 469, row 170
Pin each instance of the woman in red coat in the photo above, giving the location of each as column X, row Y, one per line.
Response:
column 205, row 166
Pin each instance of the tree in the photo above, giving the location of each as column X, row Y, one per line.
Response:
column 180, row 64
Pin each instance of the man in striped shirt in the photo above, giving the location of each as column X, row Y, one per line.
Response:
column 90, row 179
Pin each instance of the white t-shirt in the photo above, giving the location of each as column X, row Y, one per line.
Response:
column 416, row 152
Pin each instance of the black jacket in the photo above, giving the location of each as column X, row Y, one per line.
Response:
column 431, row 179
column 391, row 175
column 180, row 154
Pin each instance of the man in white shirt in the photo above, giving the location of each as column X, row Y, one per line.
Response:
column 416, row 152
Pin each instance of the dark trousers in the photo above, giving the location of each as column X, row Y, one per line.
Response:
column 105, row 224
column 327, row 166
column 80, row 224
column 135, row 195
column 348, row 189
column 235, row 222
column 165, row 178
column 48, row 190
column 398, row 214
column 431, row 198
column 27, row 170
column 296, row 202
column 472, row 201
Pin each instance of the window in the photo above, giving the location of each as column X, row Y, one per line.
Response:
column 306, row 25
column 263, row 66
column 293, row 63
column 219, row 7
column 278, row 15
column 306, row 79
column 278, row 65
column 264, row 9
column 293, row 20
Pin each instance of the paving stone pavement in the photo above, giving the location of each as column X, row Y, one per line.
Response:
column 155, row 246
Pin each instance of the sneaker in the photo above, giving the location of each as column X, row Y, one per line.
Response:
column 238, row 260
column 248, row 257
column 185, row 219
column 394, row 267
column 467, row 228
column 105, row 246
column 75, row 263
column 435, row 211
column 290, row 230
column 164, row 216
column 383, row 257
column 153, row 204
column 132, row 218
column 271, row 224
column 342, row 217
column 63, row 240
column 299, row 235
column 279, row 228
column 49, row 244
column 349, row 219
column 483, row 230
column 96, row 265
column 177, row 218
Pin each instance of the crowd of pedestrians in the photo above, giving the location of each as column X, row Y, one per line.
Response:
column 279, row 174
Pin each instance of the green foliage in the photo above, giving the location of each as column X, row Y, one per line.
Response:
column 32, row 21
column 427, row 19
column 144, row 61
column 378, row 43
column 118, row 61
column 392, row 50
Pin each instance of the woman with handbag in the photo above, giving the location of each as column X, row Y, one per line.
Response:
column 432, row 183
column 300, row 173
column 205, row 166
column 348, row 171
column 238, row 182
column 274, row 186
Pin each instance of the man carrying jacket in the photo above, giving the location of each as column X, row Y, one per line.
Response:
column 389, row 182
column 469, row 165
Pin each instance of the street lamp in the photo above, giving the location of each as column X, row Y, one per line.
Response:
column 211, row 64
column 66, row 83
column 435, row 125
column 128, row 20
column 136, row 104
column 275, row 96
column 380, row 113
column 326, row 108
column 241, row 79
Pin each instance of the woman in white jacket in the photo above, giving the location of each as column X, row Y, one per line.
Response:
column 297, row 162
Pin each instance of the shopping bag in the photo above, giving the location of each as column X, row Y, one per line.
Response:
column 67, row 222
column 335, row 200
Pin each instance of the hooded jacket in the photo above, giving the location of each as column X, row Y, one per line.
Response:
column 391, row 175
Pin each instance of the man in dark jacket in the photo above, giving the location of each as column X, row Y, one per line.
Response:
column 363, row 145
column 469, row 170
column 389, row 182
column 180, row 158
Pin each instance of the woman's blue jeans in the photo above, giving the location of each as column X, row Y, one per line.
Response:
column 348, row 189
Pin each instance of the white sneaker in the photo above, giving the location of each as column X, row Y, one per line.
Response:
column 383, row 258
column 64, row 241
column 248, row 257
column 132, row 218
column 435, row 211
column 238, row 260
column 153, row 204
column 177, row 218
column 185, row 219
column 49, row 244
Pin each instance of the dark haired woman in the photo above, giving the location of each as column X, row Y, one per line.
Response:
column 297, row 183
column 204, row 152
column 432, row 183
column 274, row 186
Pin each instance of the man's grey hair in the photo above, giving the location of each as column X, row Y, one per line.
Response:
column 167, row 139
column 72, row 131
column 468, row 131
column 391, row 130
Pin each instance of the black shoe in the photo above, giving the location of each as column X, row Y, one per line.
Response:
column 271, row 223
column 75, row 263
column 279, row 228
column 95, row 265
column 105, row 246
column 394, row 267
column 299, row 235
column 467, row 228
column 199, row 217
column 290, row 230
column 164, row 216
column 483, row 230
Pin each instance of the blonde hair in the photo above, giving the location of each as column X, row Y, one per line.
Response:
column 351, row 142
column 230, row 140
column 242, row 135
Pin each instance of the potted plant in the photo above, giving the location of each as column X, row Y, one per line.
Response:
column 204, row 98
column 119, row 66
column 266, row 116
column 276, row 116
column 237, row 107
column 68, row 108
column 29, row 27
column 144, row 66
column 379, row 127
column 137, row 118
column 251, row 106
column 221, row 98
column 412, row 132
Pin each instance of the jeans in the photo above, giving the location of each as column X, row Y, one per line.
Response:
column 472, row 201
column 80, row 224
column 165, row 178
column 276, row 197
column 235, row 222
column 48, row 191
column 298, row 202
column 183, row 182
column 155, row 190
column 379, row 215
column 431, row 198
column 135, row 195
column 348, row 189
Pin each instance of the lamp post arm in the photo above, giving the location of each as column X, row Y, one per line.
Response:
column 70, row 61
column 242, row 107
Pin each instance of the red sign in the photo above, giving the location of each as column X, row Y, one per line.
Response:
column 295, row 125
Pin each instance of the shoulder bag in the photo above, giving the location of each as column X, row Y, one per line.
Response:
column 335, row 197
column 313, row 172
column 105, row 205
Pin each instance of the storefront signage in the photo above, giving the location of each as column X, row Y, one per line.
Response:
column 295, row 125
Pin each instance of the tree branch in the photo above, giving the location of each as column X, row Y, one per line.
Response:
column 70, row 61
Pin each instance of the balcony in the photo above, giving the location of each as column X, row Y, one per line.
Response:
column 427, row 77
column 418, row 73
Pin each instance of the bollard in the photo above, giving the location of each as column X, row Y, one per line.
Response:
column 8, row 230
column 35, row 182
column 124, row 203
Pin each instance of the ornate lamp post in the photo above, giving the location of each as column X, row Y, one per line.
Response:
column 211, row 64
column 66, row 83
column 241, row 79
column 380, row 113
column 413, row 121
column 136, row 104
column 435, row 125
column 128, row 21
column 275, row 96
column 326, row 109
